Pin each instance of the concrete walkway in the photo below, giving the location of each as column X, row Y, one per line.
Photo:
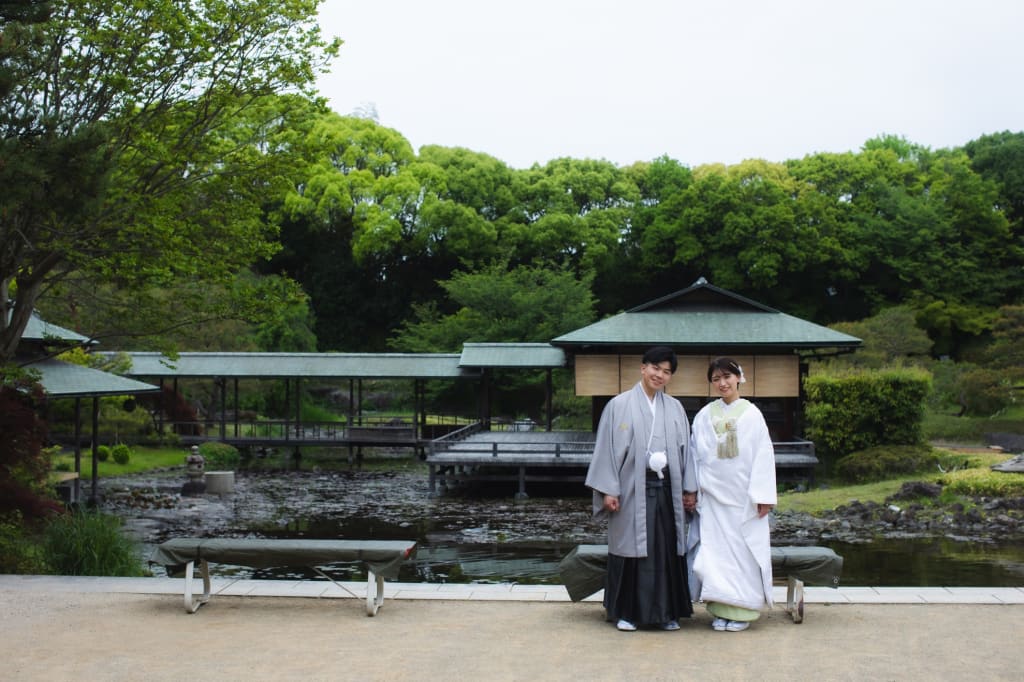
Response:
column 76, row 628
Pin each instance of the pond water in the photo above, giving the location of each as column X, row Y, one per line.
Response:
column 475, row 535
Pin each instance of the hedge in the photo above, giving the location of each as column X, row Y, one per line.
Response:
column 860, row 410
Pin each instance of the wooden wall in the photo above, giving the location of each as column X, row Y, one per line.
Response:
column 768, row 376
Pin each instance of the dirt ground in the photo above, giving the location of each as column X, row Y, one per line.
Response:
column 97, row 636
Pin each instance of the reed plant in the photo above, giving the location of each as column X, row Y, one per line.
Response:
column 90, row 543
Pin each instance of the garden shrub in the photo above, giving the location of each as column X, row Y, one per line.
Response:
column 18, row 553
column 219, row 456
column 103, row 452
column 886, row 461
column 984, row 483
column 24, row 462
column 90, row 543
column 121, row 453
column 854, row 411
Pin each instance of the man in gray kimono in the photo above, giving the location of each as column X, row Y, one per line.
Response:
column 638, row 473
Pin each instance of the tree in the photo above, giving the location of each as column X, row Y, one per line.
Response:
column 891, row 338
column 342, row 226
column 134, row 143
column 496, row 304
column 1000, row 157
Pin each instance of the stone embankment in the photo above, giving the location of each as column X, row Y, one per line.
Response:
column 906, row 514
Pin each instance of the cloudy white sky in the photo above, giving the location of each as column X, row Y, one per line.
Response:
column 715, row 81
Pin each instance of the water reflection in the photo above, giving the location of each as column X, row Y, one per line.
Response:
column 885, row 563
column 487, row 537
column 940, row 562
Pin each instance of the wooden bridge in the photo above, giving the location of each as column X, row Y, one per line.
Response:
column 472, row 454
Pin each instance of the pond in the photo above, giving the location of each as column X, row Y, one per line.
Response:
column 479, row 535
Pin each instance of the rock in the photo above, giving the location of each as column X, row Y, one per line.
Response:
column 1011, row 466
column 1010, row 442
column 916, row 489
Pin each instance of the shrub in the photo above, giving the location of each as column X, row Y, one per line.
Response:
column 24, row 462
column 986, row 391
column 886, row 461
column 90, row 543
column 984, row 483
column 18, row 554
column 103, row 452
column 219, row 456
column 859, row 410
column 121, row 453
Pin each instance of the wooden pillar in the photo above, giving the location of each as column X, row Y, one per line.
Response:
column 419, row 420
column 222, row 388
column 548, row 400
column 161, row 409
column 485, row 399
column 287, row 408
column 78, row 451
column 298, row 408
column 94, row 495
column 351, row 417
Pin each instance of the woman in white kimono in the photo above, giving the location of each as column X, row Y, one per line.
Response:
column 735, row 462
column 638, row 474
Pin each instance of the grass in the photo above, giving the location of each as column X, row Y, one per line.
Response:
column 817, row 501
column 89, row 543
column 829, row 497
column 945, row 427
column 142, row 459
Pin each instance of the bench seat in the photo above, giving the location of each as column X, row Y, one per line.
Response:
column 583, row 571
column 383, row 558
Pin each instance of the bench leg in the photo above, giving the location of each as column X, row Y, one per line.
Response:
column 374, row 598
column 795, row 599
column 191, row 603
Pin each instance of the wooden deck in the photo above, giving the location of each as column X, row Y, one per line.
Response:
column 472, row 454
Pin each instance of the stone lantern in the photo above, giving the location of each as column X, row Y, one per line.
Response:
column 195, row 467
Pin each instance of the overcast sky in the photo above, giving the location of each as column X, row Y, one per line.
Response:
column 528, row 81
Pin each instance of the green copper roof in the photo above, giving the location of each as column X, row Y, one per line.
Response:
column 313, row 365
column 67, row 380
column 511, row 355
column 38, row 329
column 706, row 316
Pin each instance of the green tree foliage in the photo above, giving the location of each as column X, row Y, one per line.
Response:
column 831, row 237
column 570, row 211
column 526, row 303
column 636, row 273
column 133, row 147
column 991, row 380
column 891, row 338
column 1000, row 158
column 497, row 304
column 342, row 227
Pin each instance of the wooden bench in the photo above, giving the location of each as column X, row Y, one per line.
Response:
column 382, row 558
column 583, row 572
column 795, row 460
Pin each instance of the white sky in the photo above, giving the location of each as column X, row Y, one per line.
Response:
column 702, row 82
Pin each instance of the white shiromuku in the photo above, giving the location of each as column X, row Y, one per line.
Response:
column 735, row 465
